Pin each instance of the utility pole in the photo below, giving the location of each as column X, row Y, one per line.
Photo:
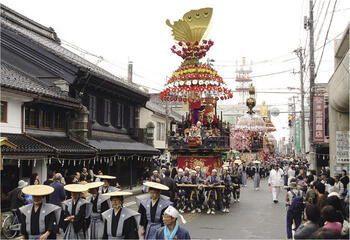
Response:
column 300, row 55
column 310, row 26
column 294, row 128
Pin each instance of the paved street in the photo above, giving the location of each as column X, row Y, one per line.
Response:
column 255, row 217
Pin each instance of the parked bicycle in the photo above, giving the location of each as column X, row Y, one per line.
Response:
column 11, row 226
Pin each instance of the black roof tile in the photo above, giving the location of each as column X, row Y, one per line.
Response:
column 14, row 78
column 24, row 145
column 65, row 145
column 55, row 48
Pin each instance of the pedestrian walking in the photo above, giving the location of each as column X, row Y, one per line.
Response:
column 76, row 213
column 236, row 190
column 295, row 207
column 172, row 230
column 120, row 222
column 100, row 204
column 226, row 192
column 106, row 188
column 59, row 195
column 39, row 220
column 152, row 209
column 256, row 171
column 244, row 175
column 275, row 182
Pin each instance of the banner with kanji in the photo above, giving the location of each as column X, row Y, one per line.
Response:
column 319, row 119
column 207, row 163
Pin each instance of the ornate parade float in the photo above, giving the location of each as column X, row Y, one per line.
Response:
column 202, row 138
column 249, row 136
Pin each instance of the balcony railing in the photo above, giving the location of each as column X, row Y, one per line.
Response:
column 221, row 143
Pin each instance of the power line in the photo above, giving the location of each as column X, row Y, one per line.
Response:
column 263, row 75
column 325, row 41
column 324, row 19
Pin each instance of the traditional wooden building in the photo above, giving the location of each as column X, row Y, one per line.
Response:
column 95, row 110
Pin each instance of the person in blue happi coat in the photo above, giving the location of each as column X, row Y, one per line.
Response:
column 171, row 229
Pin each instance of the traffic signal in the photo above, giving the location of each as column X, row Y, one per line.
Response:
column 290, row 118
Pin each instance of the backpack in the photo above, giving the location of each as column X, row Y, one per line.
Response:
column 297, row 205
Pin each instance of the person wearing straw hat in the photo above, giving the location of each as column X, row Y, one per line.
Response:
column 76, row 213
column 171, row 229
column 39, row 220
column 120, row 222
column 106, row 188
column 212, row 194
column 100, row 204
column 152, row 209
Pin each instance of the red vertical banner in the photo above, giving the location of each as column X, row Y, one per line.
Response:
column 319, row 119
column 207, row 163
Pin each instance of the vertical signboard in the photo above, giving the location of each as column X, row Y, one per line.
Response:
column 342, row 147
column 319, row 118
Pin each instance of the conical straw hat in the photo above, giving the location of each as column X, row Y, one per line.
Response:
column 106, row 177
column 117, row 194
column 239, row 162
column 76, row 188
column 94, row 184
column 38, row 190
column 156, row 185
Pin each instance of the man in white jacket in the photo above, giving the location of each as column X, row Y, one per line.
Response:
column 276, row 182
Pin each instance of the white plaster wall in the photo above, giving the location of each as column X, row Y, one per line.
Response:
column 339, row 107
column 14, row 112
column 147, row 116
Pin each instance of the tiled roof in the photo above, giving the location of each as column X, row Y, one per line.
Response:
column 44, row 145
column 24, row 145
column 55, row 48
column 122, row 145
column 14, row 78
column 64, row 145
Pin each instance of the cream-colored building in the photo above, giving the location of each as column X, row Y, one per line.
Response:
column 153, row 118
column 338, row 89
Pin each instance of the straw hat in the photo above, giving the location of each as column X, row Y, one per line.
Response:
column 106, row 177
column 156, row 185
column 76, row 188
column 38, row 190
column 94, row 184
column 239, row 162
column 117, row 194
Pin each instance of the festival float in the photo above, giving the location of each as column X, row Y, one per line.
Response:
column 249, row 135
column 201, row 139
